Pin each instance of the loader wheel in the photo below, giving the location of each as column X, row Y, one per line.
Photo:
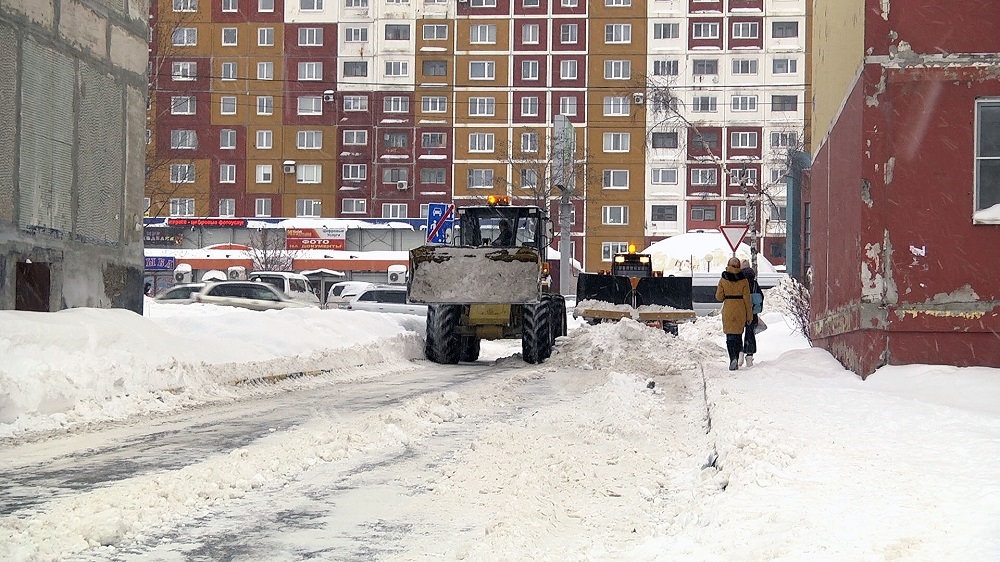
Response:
column 559, row 328
column 536, row 335
column 443, row 344
column 470, row 348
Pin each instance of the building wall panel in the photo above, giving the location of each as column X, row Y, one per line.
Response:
column 100, row 163
column 8, row 114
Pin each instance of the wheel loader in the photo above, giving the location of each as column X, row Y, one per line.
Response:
column 491, row 282
column 631, row 289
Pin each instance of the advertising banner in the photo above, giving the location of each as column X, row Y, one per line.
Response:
column 316, row 238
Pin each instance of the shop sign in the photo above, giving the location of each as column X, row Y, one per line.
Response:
column 316, row 238
column 211, row 222
column 161, row 263
column 162, row 237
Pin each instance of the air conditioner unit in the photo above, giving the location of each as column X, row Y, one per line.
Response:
column 638, row 99
column 237, row 273
column 289, row 166
column 328, row 96
column 463, row 1
column 402, row 185
column 397, row 274
column 182, row 274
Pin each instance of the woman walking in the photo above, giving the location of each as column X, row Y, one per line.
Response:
column 737, row 310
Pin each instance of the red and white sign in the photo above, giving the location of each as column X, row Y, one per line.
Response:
column 734, row 234
column 315, row 238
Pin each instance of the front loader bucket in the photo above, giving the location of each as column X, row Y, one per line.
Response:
column 674, row 292
column 604, row 288
column 467, row 275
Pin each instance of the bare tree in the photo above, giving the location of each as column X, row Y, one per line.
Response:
column 268, row 252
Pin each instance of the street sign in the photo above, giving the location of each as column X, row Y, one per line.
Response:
column 734, row 234
column 439, row 219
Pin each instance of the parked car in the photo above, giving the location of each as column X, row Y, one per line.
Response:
column 384, row 298
column 180, row 294
column 344, row 291
column 295, row 285
column 246, row 294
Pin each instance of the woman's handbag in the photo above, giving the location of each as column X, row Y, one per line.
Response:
column 760, row 327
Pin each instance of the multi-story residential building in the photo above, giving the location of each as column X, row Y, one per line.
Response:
column 680, row 111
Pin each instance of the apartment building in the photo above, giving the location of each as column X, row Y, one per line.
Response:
column 679, row 111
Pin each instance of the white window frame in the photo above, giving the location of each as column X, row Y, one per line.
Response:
column 310, row 37
column 666, row 30
column 745, row 67
column 529, row 106
column 265, row 6
column 568, row 106
column 784, row 139
column 265, row 139
column 617, row 142
column 230, row 6
column 183, row 71
column 483, row 34
column 704, row 104
column 394, row 210
column 265, row 105
column 183, row 105
column 265, row 37
column 736, row 175
column 569, row 33
column 615, row 179
column 663, row 176
column 781, row 66
column 227, row 139
column 229, row 71
column 264, row 173
column 529, row 142
column 434, row 104
column 705, row 30
column 482, row 70
column 309, row 140
column 309, row 173
column 704, row 176
column 230, row 36
column 435, row 32
column 354, row 206
column 568, row 69
column 227, row 207
column 355, row 137
column 609, row 249
column 746, row 30
column 310, row 5
column 617, row 106
column 397, row 68
column 743, row 103
column 227, row 173
column 309, row 105
column 482, row 106
column 184, row 37
column 614, row 215
column 355, row 103
column 617, row 33
column 481, row 178
column 617, row 70
column 265, row 70
column 309, row 208
column 182, row 173
column 396, row 104
column 182, row 207
column 262, row 207
column 310, row 70
column 530, row 34
column 227, row 105
column 354, row 172
column 482, row 142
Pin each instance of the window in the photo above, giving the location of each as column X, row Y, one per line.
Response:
column 265, row 5
column 482, row 107
column 744, row 66
column 615, row 179
column 435, row 32
column 704, row 176
column 312, row 105
column 481, row 142
column 229, row 35
column 355, row 172
column 784, row 140
column 617, row 70
column 265, row 37
column 432, row 140
column 529, row 70
column 702, row 213
column 397, row 68
column 664, row 140
column 784, row 66
column 309, row 173
column 778, row 213
column 182, row 173
column 705, row 30
column 229, row 71
column 185, row 37
column 397, row 32
column 310, row 5
column 434, row 104
column 482, row 70
column 480, row 178
column 609, row 249
column 529, row 178
column 356, row 3
column 529, row 142
column 309, row 140
column 704, row 104
column 568, row 70
column 227, row 207
column 666, row 68
column 530, row 3
column 738, row 213
column 396, row 140
column 264, row 140
column 614, row 214
column 227, row 173
column 356, row 137
column 185, row 5
column 308, row 207
column 529, row 34
column 182, row 105
column 265, row 105
column 264, row 173
column 182, row 207
column 987, row 152
column 744, row 103
column 396, row 104
column 265, row 71
column 783, row 29
column 262, row 207
column 663, row 213
column 705, row 66
column 705, row 141
column 777, row 174
column 482, row 33
column 737, row 176
column 616, row 105
column 784, row 103
column 618, row 33
column 567, row 106
column 664, row 176
column 618, row 3
column 183, row 139
column 616, row 142
column 355, row 68
column 394, row 210
column 433, row 175
column 354, row 206
column 310, row 71
column 483, row 3
column 310, row 36
column 183, row 70
column 666, row 30
column 570, row 3
column 230, row 6
column 227, row 139
column 394, row 175
column 529, row 106
column 568, row 32
column 746, row 30
column 434, row 68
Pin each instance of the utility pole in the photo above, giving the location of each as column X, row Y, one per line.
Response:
column 565, row 223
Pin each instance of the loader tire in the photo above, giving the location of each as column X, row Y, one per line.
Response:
column 559, row 327
column 536, row 333
column 443, row 344
column 470, row 348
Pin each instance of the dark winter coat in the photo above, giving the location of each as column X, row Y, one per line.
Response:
column 734, row 292
column 751, row 276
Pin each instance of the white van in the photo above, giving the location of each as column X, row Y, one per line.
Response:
column 344, row 291
column 295, row 285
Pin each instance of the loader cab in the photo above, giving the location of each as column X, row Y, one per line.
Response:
column 481, row 226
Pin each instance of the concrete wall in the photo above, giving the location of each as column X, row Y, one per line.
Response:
column 837, row 54
column 72, row 148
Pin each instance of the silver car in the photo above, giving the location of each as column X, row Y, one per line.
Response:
column 246, row 294
column 384, row 298
column 180, row 294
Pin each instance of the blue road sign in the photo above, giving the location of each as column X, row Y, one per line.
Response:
column 439, row 219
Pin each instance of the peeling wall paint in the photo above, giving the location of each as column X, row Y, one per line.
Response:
column 866, row 193
column 871, row 278
column 890, row 167
column 886, row 5
column 872, row 100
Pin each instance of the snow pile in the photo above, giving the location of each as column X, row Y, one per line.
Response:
column 474, row 275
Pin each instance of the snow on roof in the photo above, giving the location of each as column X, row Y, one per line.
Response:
column 700, row 251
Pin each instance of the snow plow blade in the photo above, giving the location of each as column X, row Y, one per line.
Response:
column 463, row 275
column 674, row 292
